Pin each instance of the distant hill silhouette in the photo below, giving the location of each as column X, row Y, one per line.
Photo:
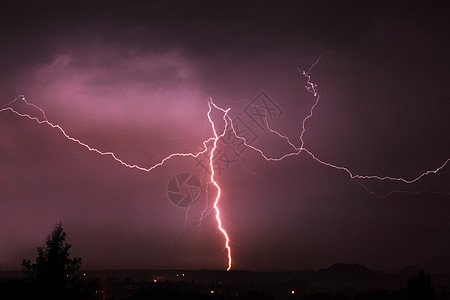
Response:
column 345, row 275
column 341, row 267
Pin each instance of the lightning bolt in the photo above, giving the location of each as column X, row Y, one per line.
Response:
column 228, row 125
column 213, row 180
column 219, row 190
column 92, row 149
column 312, row 88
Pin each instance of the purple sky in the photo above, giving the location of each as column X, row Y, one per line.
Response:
column 135, row 80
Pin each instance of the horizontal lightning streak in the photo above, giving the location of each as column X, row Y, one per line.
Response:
column 107, row 153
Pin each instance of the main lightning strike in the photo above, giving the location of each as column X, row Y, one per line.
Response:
column 219, row 190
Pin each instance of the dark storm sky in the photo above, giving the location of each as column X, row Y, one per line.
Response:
column 135, row 79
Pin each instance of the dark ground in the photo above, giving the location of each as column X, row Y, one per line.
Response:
column 339, row 281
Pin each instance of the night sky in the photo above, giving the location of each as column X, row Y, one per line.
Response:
column 135, row 79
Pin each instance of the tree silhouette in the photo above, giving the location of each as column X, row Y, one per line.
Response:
column 51, row 273
column 420, row 287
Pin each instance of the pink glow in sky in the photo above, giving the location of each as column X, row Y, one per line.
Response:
column 138, row 82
